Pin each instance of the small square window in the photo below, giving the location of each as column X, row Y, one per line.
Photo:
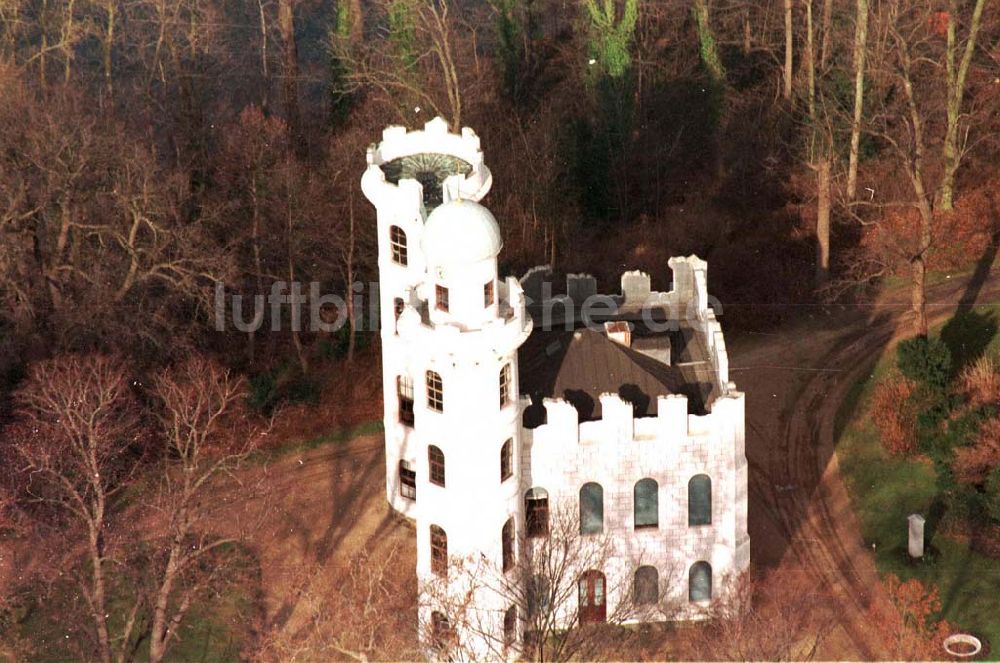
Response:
column 488, row 294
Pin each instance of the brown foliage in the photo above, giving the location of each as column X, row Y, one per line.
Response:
column 779, row 617
column 895, row 414
column 906, row 623
column 980, row 381
column 972, row 464
column 360, row 611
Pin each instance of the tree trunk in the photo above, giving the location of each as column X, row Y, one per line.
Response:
column 349, row 269
column 286, row 24
column 956, row 90
column 357, row 23
column 810, row 57
column 265, row 74
column 824, row 51
column 860, row 48
column 917, row 295
column 822, row 221
column 158, row 635
column 107, row 46
column 788, row 50
column 98, row 607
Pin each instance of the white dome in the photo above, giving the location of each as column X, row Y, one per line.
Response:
column 460, row 231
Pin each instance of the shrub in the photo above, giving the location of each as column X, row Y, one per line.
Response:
column 974, row 463
column 925, row 361
column 980, row 381
column 895, row 415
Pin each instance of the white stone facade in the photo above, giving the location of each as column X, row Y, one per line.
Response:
column 470, row 349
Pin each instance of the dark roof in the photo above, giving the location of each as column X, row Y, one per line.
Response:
column 580, row 365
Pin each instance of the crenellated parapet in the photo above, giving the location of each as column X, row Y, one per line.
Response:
column 618, row 426
column 687, row 303
column 406, row 195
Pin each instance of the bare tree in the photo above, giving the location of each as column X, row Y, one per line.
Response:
column 207, row 433
column 781, row 617
column 76, row 439
column 551, row 590
column 906, row 57
column 359, row 613
column 957, row 75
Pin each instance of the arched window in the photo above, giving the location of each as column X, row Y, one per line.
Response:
column 407, row 480
column 536, row 512
column 510, row 626
column 442, row 635
column 435, row 392
column 506, row 460
column 404, row 393
column 505, row 385
column 435, row 462
column 439, row 551
column 397, row 245
column 593, row 608
column 647, row 586
column 591, row 508
column 700, row 582
column 646, row 503
column 507, row 545
column 397, row 307
column 700, row 500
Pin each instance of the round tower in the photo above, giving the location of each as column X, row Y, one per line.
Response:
column 450, row 334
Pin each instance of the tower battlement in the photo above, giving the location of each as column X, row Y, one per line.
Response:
column 417, row 170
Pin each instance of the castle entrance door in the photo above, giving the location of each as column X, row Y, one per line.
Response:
column 593, row 601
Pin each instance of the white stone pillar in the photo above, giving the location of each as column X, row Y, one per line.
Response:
column 916, row 546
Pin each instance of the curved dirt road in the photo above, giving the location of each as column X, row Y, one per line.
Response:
column 796, row 381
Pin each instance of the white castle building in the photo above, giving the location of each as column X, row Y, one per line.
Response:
column 507, row 407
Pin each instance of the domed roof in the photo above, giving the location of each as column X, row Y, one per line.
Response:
column 460, row 231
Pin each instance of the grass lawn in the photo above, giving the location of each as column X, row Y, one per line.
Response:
column 886, row 490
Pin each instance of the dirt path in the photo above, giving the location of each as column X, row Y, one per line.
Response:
column 800, row 513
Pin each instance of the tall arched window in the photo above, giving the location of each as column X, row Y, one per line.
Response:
column 700, row 582
column 591, row 508
column 506, row 460
column 536, row 512
column 647, row 586
column 646, row 503
column 397, row 245
column 593, row 604
column 404, row 393
column 510, row 626
column 435, row 392
column 538, row 595
column 435, row 462
column 505, row 386
column 700, row 500
column 507, row 545
column 407, row 480
column 439, row 551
